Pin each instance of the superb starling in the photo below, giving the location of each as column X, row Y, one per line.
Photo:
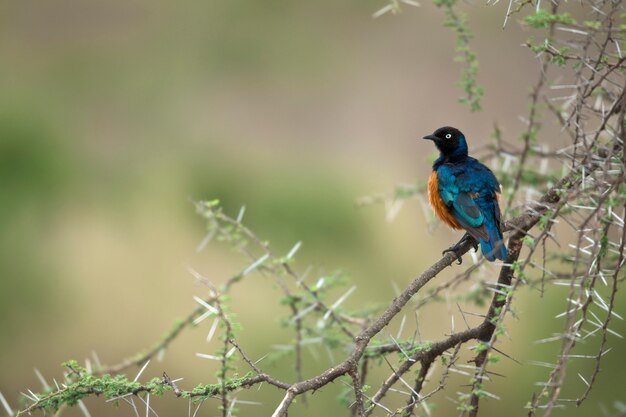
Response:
column 464, row 195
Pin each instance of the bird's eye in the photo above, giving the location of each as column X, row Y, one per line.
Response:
column 448, row 136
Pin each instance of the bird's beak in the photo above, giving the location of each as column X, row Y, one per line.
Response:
column 430, row 137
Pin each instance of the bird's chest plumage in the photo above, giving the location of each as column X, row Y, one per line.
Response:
column 436, row 202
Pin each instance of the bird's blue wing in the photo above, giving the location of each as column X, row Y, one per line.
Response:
column 485, row 187
column 469, row 191
column 456, row 193
column 466, row 209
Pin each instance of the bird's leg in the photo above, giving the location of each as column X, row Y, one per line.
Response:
column 455, row 248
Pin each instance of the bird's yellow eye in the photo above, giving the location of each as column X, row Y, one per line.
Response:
column 448, row 136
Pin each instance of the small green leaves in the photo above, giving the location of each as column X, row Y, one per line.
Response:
column 446, row 3
column 528, row 241
column 557, row 56
column 492, row 358
column 481, row 347
column 545, row 219
column 109, row 386
column 593, row 24
column 420, row 347
column 73, row 366
column 465, row 55
column 543, row 19
column 203, row 391
column 604, row 246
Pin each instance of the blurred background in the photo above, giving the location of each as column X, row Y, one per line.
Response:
column 115, row 116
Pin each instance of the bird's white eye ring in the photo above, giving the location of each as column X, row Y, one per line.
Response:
column 448, row 136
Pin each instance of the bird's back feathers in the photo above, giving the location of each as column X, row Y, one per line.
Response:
column 463, row 193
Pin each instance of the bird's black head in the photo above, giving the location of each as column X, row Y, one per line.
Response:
column 450, row 141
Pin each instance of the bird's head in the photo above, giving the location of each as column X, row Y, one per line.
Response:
column 449, row 140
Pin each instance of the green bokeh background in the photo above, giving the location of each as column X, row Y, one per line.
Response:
column 115, row 116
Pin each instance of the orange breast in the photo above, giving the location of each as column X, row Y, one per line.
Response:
column 437, row 203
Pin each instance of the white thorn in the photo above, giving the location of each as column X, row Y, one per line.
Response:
column 294, row 250
column 339, row 301
column 242, row 211
column 207, row 356
column 43, row 381
column 230, row 352
column 143, row 368
column 205, row 241
column 6, row 405
column 206, row 305
column 399, row 334
column 209, row 336
column 82, row 407
column 255, row 264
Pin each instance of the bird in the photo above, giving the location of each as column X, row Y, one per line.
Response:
column 464, row 194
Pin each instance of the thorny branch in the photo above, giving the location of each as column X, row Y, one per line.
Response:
column 350, row 364
column 589, row 199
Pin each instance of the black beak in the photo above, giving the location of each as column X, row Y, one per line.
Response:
column 430, row 137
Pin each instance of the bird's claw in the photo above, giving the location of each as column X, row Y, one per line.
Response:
column 455, row 250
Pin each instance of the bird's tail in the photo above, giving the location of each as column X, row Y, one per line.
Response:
column 494, row 248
